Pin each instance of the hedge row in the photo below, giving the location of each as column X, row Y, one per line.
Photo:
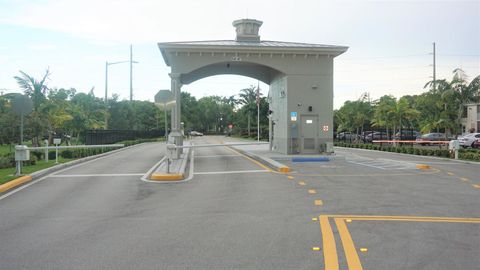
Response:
column 8, row 161
column 466, row 154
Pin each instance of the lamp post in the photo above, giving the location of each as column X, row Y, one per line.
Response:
column 106, row 83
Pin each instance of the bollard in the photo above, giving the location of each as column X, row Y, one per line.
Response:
column 46, row 151
column 56, row 154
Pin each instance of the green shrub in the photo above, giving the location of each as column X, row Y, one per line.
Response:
column 67, row 153
column 7, row 161
column 38, row 154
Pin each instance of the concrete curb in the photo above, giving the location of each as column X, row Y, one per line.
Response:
column 273, row 164
column 38, row 174
column 172, row 177
column 410, row 155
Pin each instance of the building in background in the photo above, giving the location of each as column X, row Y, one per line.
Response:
column 472, row 118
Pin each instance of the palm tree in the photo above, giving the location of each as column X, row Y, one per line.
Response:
column 36, row 90
column 382, row 116
column 455, row 95
column 248, row 97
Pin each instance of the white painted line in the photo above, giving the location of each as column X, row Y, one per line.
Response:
column 146, row 175
column 192, row 162
column 144, row 178
column 376, row 167
column 219, row 156
column 233, row 172
column 95, row 175
column 47, row 176
column 398, row 165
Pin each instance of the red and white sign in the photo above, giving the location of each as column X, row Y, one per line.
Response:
column 325, row 128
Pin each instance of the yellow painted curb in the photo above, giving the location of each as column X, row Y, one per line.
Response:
column 284, row 169
column 14, row 183
column 166, row 177
column 423, row 166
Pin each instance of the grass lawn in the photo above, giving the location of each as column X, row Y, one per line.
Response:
column 7, row 173
column 6, row 149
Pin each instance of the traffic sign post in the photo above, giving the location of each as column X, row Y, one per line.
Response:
column 165, row 99
column 22, row 105
column 56, row 141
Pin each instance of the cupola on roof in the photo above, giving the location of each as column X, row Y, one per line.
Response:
column 247, row 29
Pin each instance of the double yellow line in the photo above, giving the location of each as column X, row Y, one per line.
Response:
column 351, row 255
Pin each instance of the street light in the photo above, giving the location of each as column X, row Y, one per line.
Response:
column 106, row 82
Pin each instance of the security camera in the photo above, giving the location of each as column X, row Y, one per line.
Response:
column 299, row 104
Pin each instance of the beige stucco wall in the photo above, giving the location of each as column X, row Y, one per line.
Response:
column 305, row 78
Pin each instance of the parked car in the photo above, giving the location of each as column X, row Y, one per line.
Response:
column 365, row 133
column 407, row 135
column 195, row 133
column 476, row 143
column 377, row 135
column 468, row 139
column 431, row 137
column 345, row 135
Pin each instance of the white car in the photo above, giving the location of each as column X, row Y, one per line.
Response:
column 195, row 133
column 467, row 140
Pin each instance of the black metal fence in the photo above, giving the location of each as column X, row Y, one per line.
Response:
column 377, row 135
column 99, row 136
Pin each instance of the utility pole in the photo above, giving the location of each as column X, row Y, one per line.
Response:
column 258, row 111
column 131, row 73
column 434, row 71
column 106, row 95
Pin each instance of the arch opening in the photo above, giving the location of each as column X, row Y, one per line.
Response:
column 259, row 72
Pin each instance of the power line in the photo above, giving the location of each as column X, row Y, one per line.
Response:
column 459, row 55
column 383, row 57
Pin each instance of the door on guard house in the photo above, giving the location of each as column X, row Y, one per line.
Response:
column 309, row 133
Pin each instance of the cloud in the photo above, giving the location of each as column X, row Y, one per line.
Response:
column 113, row 20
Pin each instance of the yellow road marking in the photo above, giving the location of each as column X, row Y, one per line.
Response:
column 290, row 177
column 408, row 218
column 423, row 166
column 329, row 247
column 302, row 183
column 318, row 202
column 348, row 247
column 353, row 261
column 166, row 177
column 316, row 248
column 476, row 186
column 464, row 179
column 314, row 219
column 251, row 159
column 312, row 191
column 449, row 173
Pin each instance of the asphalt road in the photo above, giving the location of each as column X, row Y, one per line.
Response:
column 234, row 214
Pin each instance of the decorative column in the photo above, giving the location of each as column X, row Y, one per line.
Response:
column 176, row 135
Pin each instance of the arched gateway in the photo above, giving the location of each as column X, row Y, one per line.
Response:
column 300, row 77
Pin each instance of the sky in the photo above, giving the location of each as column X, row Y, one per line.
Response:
column 390, row 42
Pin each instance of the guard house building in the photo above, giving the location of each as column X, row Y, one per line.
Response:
column 300, row 77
